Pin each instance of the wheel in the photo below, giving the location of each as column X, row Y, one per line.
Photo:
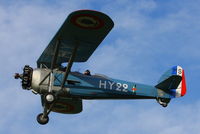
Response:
column 160, row 101
column 42, row 120
column 49, row 98
column 164, row 105
column 163, row 102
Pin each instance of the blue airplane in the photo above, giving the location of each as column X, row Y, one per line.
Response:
column 62, row 90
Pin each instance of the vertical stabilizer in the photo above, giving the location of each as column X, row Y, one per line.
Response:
column 173, row 82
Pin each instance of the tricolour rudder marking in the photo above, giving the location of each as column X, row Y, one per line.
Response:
column 183, row 89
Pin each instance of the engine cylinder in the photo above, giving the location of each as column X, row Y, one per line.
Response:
column 27, row 77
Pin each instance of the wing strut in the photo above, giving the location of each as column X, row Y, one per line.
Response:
column 54, row 60
column 53, row 63
column 70, row 62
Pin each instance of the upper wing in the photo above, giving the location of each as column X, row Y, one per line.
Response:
column 84, row 27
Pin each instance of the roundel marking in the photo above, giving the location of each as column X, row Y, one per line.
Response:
column 87, row 21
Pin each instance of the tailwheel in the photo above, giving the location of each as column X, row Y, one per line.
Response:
column 165, row 105
column 49, row 98
column 41, row 119
column 163, row 101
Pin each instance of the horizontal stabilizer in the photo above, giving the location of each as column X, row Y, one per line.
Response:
column 170, row 83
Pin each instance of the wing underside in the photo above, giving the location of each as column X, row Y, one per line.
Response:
column 66, row 105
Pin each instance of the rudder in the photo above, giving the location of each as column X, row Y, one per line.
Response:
column 173, row 82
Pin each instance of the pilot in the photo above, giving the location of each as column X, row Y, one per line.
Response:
column 87, row 72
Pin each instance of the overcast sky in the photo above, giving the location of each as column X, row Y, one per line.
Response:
column 149, row 37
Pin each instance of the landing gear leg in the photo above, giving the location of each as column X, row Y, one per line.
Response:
column 43, row 118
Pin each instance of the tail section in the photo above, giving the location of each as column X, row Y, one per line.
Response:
column 173, row 82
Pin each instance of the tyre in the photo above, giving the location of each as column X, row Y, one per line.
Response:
column 42, row 119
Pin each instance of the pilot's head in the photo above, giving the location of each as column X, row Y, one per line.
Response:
column 87, row 72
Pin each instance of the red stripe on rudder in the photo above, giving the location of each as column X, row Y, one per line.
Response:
column 183, row 86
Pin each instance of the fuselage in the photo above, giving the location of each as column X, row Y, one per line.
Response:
column 83, row 86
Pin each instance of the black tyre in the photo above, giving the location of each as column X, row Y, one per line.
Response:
column 42, row 120
column 164, row 105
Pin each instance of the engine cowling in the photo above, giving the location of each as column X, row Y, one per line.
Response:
column 40, row 79
column 37, row 79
